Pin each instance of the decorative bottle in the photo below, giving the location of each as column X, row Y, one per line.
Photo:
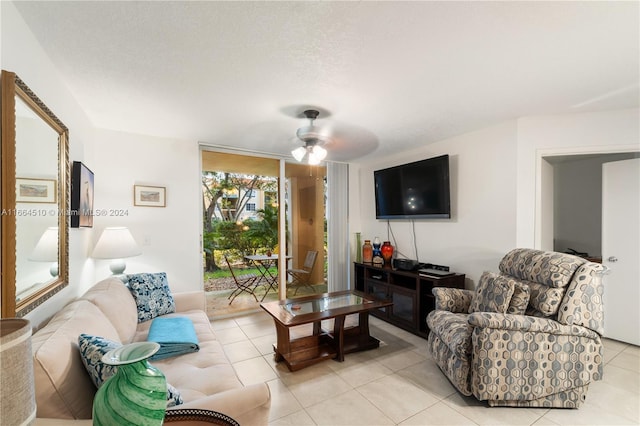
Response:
column 387, row 252
column 358, row 245
column 377, row 255
column 376, row 247
column 136, row 394
column 367, row 252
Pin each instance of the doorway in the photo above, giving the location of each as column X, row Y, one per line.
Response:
column 573, row 211
column 244, row 249
column 572, row 202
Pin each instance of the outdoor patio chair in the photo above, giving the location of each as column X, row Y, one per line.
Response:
column 300, row 277
column 245, row 283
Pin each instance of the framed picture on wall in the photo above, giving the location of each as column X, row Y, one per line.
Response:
column 81, row 196
column 36, row 190
column 149, row 196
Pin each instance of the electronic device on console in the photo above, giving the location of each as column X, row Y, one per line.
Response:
column 405, row 264
column 431, row 270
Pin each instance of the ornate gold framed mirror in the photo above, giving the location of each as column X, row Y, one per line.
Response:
column 34, row 155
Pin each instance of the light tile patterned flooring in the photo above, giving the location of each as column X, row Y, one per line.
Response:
column 399, row 384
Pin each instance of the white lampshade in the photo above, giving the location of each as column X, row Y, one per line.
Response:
column 316, row 155
column 299, row 153
column 319, row 152
column 312, row 151
column 116, row 243
column 46, row 250
column 17, row 389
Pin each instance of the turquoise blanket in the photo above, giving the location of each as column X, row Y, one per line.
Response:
column 176, row 336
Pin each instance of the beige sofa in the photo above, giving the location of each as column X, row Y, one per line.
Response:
column 205, row 379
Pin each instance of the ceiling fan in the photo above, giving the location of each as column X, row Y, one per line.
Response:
column 314, row 138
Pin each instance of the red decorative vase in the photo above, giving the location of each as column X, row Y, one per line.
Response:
column 387, row 252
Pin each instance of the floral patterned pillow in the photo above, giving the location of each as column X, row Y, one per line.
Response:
column 152, row 295
column 92, row 348
column 493, row 294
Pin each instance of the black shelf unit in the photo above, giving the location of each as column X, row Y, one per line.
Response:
column 409, row 291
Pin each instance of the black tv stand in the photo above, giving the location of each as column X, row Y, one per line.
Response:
column 410, row 292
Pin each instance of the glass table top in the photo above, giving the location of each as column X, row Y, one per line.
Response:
column 324, row 304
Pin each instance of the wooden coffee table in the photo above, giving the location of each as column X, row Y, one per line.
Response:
column 322, row 344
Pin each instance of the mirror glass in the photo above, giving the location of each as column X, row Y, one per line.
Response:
column 37, row 242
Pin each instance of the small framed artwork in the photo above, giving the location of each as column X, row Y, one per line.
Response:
column 81, row 196
column 36, row 190
column 149, row 196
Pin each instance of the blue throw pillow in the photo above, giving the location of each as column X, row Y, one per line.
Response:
column 152, row 295
column 92, row 348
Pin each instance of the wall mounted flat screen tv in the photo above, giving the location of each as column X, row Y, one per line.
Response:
column 418, row 190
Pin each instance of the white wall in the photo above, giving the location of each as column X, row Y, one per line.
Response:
column 597, row 132
column 496, row 181
column 21, row 53
column 483, row 199
column 169, row 237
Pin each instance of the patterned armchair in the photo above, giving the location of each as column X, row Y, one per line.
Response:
column 527, row 337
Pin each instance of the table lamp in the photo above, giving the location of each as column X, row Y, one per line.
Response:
column 46, row 250
column 17, row 389
column 116, row 243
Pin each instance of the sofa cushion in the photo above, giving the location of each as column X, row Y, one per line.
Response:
column 93, row 348
column 115, row 301
column 63, row 387
column 201, row 373
column 493, row 293
column 545, row 267
column 152, row 295
column 520, row 299
column 544, row 301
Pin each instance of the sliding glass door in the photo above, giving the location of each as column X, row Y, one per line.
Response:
column 256, row 206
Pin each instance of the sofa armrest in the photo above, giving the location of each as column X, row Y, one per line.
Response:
column 248, row 405
column 189, row 301
column 454, row 300
column 524, row 323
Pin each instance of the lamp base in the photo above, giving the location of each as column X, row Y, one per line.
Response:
column 53, row 270
column 117, row 266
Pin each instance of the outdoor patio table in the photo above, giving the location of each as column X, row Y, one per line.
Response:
column 263, row 262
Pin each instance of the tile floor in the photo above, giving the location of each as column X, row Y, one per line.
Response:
column 398, row 384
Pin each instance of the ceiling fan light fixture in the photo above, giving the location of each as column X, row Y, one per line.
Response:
column 299, row 153
column 318, row 152
column 313, row 160
column 313, row 137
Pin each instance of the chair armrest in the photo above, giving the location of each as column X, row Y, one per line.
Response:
column 524, row 323
column 190, row 300
column 454, row 300
column 248, row 405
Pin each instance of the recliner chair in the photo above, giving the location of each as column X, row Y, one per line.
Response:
column 527, row 337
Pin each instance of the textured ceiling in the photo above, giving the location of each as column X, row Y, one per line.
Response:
column 390, row 75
